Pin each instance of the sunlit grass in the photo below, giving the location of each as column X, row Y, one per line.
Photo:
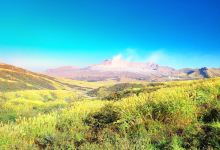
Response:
column 178, row 115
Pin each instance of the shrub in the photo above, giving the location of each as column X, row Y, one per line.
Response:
column 212, row 115
column 209, row 137
column 103, row 118
column 44, row 142
column 98, row 121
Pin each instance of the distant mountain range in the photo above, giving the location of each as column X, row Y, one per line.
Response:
column 119, row 69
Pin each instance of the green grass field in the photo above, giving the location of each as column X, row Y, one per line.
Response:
column 169, row 115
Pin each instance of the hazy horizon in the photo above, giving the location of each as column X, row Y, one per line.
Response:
column 38, row 34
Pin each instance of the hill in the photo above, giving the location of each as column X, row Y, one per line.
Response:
column 121, row 70
column 202, row 72
column 168, row 115
column 115, row 69
column 13, row 78
column 108, row 114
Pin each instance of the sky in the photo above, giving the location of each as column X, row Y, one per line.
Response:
column 41, row 34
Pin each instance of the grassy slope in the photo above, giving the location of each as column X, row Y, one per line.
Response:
column 178, row 115
column 26, row 94
column 15, row 79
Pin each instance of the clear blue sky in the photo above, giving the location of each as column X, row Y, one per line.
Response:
column 37, row 34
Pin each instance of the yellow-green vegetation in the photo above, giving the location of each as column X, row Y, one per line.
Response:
column 169, row 115
column 88, row 85
column 15, row 79
column 29, row 103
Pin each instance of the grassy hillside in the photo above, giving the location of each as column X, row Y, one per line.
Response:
column 13, row 78
column 169, row 115
column 16, row 79
column 30, row 103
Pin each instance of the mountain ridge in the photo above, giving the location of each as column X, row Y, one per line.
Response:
column 107, row 70
column 14, row 78
column 119, row 69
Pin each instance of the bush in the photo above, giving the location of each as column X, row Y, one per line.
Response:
column 209, row 137
column 44, row 142
column 213, row 115
column 98, row 121
column 103, row 118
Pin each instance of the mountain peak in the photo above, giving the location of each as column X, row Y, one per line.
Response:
column 118, row 68
column 117, row 63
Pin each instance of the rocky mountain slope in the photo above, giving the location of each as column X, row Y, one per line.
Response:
column 201, row 72
column 119, row 69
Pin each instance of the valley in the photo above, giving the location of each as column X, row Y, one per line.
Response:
column 109, row 75
column 60, row 113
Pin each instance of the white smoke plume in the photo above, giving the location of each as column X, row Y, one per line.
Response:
column 132, row 55
column 155, row 57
